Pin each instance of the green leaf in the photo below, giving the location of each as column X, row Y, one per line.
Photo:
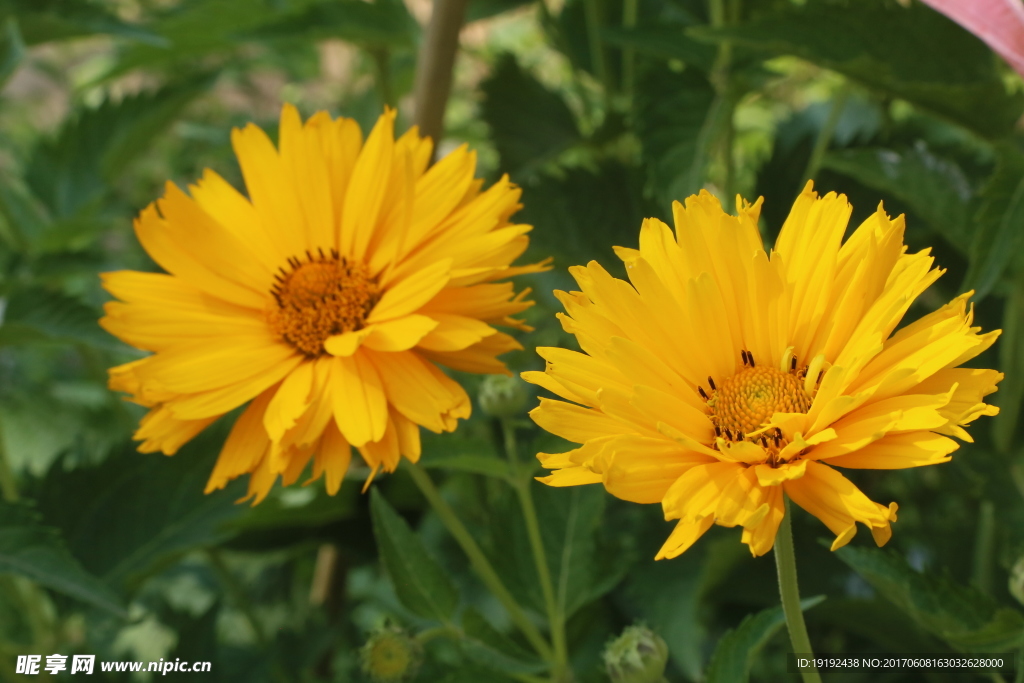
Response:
column 934, row 188
column 48, row 20
column 127, row 516
column 582, row 562
column 489, row 648
column 488, row 466
column 195, row 29
column 738, row 648
column 530, row 124
column 73, row 171
column 485, row 9
column 24, row 218
column 1011, row 362
column 965, row 618
column 12, row 49
column 419, row 581
column 998, row 224
column 678, row 119
column 579, row 216
column 912, row 53
column 662, row 42
column 380, row 23
column 31, row 549
column 34, row 315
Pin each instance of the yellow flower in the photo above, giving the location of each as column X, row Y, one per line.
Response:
column 725, row 378
column 325, row 298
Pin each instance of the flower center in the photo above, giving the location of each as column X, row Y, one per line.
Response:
column 748, row 399
column 318, row 298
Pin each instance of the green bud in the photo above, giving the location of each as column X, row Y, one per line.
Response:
column 639, row 655
column 391, row 656
column 502, row 396
column 1017, row 581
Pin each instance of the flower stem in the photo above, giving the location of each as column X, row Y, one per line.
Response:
column 785, row 564
column 8, row 483
column 479, row 561
column 435, row 65
column 828, row 129
column 556, row 620
column 592, row 16
column 629, row 16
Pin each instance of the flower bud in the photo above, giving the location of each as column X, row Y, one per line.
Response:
column 1017, row 580
column 502, row 396
column 391, row 656
column 639, row 655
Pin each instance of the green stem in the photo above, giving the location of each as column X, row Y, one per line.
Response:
column 785, row 564
column 556, row 619
column 592, row 13
column 629, row 15
column 721, row 79
column 825, row 134
column 984, row 548
column 479, row 561
column 8, row 484
column 382, row 63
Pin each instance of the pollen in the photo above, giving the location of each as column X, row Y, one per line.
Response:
column 748, row 399
column 319, row 297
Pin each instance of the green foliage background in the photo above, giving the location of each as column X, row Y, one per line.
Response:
column 604, row 111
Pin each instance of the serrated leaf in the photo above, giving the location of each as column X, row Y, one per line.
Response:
column 380, row 23
column 579, row 216
column 909, row 52
column 936, row 189
column 489, row 648
column 530, row 124
column 998, row 224
column 128, row 515
column 678, row 119
column 49, row 20
column 419, row 581
column 74, row 170
column 193, row 30
column 662, row 42
column 35, row 315
column 965, row 618
column 25, row 219
column 738, row 648
column 31, row 549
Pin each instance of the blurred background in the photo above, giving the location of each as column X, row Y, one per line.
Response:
column 603, row 111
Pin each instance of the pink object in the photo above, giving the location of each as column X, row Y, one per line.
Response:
column 1000, row 23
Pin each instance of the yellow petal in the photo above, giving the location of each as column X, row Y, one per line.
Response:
column 360, row 404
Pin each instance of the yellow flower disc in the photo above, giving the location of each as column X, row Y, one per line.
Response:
column 324, row 300
column 724, row 377
column 318, row 299
column 748, row 399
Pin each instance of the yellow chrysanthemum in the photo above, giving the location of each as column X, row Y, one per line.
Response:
column 326, row 297
column 725, row 378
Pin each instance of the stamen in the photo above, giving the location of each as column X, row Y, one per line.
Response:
column 747, row 400
column 712, row 383
column 703, row 394
column 319, row 299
